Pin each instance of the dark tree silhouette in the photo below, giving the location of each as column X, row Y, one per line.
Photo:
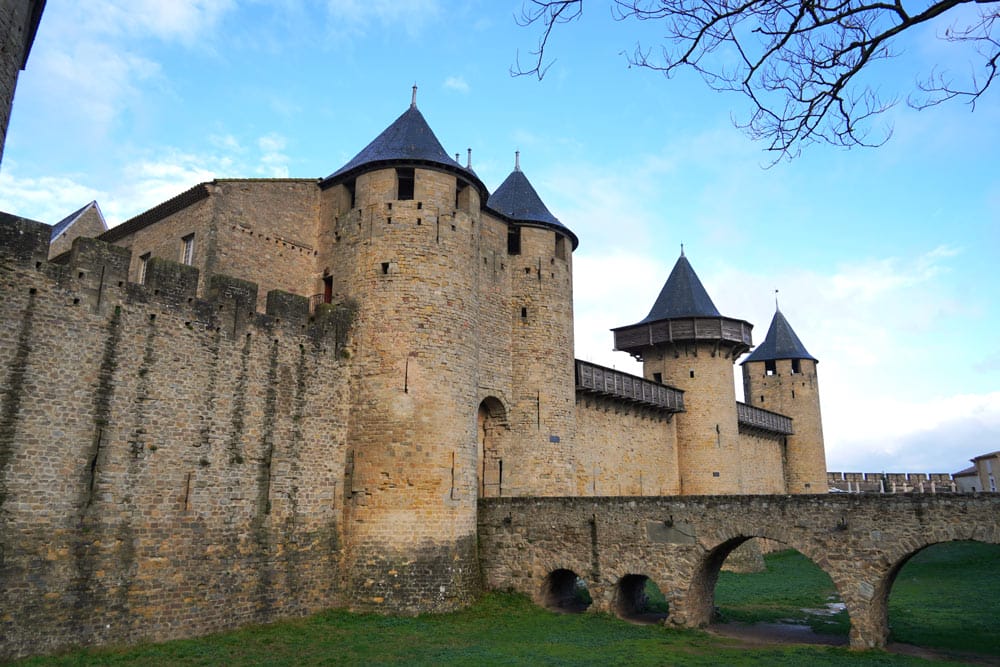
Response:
column 798, row 61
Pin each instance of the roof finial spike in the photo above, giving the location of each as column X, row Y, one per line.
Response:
column 413, row 100
column 517, row 160
column 682, row 250
column 457, row 156
column 468, row 161
column 776, row 301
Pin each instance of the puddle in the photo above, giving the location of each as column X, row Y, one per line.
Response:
column 783, row 633
column 829, row 609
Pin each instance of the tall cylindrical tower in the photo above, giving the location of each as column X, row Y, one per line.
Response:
column 686, row 343
column 780, row 375
column 400, row 241
column 543, row 411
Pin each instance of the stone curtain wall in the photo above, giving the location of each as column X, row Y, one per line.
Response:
column 624, row 450
column 680, row 543
column 169, row 466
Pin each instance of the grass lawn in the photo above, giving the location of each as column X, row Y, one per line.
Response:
column 947, row 596
column 501, row 629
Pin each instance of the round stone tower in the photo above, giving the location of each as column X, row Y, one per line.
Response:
column 780, row 375
column 543, row 412
column 686, row 343
column 400, row 226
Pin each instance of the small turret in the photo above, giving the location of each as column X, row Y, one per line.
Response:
column 685, row 342
column 543, row 415
column 780, row 375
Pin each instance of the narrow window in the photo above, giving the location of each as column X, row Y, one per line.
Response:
column 560, row 246
column 524, row 313
column 404, row 183
column 691, row 372
column 796, row 366
column 187, row 249
column 385, row 268
column 770, row 368
column 350, row 191
column 143, row 265
column 327, row 289
column 658, row 377
column 514, row 240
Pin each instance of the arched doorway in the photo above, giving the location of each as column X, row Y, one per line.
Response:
column 491, row 428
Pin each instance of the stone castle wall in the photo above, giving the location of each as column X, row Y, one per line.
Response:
column 169, row 466
column 624, row 450
column 260, row 228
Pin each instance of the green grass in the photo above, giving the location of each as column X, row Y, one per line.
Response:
column 945, row 597
column 790, row 584
column 501, row 629
column 948, row 596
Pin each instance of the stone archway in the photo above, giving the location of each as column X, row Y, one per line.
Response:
column 491, row 427
column 632, row 600
column 565, row 592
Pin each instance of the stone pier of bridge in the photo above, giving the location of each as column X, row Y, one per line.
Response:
column 536, row 545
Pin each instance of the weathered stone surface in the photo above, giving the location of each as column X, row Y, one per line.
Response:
column 681, row 542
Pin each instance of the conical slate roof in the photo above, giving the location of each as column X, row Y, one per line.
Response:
column 682, row 295
column 780, row 343
column 516, row 198
column 409, row 139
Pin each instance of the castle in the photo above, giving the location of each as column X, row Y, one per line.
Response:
column 262, row 398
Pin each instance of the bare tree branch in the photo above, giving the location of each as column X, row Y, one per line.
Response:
column 798, row 61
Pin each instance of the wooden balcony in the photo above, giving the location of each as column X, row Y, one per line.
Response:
column 731, row 333
column 758, row 419
column 594, row 379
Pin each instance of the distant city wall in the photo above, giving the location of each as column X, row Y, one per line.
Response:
column 893, row 482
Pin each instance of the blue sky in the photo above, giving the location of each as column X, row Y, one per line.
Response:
column 885, row 259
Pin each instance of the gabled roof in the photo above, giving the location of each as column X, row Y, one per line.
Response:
column 68, row 221
column 516, row 199
column 780, row 343
column 682, row 295
column 157, row 213
column 409, row 139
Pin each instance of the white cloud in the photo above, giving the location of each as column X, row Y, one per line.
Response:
column 273, row 161
column 48, row 199
column 456, row 83
column 92, row 60
column 141, row 184
column 887, row 393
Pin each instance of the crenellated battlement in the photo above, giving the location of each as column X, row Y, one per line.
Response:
column 94, row 275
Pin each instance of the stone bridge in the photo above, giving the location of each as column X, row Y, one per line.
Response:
column 539, row 546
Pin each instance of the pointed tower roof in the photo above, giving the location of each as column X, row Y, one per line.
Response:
column 684, row 312
column 682, row 295
column 408, row 140
column 780, row 343
column 517, row 199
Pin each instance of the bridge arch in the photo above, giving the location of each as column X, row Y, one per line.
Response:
column 873, row 629
column 699, row 599
column 563, row 590
column 631, row 600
